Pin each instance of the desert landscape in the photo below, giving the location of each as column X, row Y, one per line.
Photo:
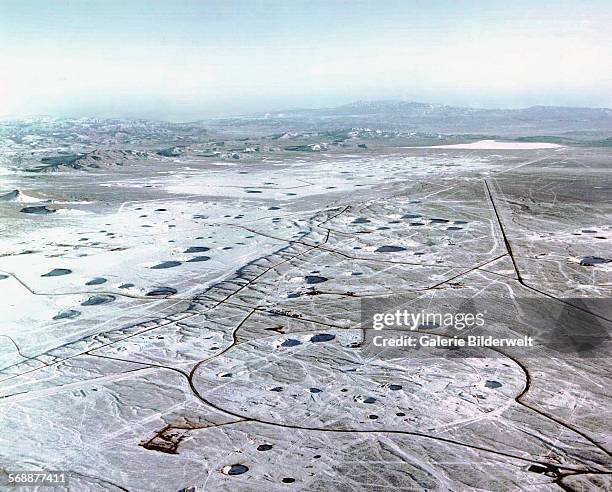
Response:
column 183, row 304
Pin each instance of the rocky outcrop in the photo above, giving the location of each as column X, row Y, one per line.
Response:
column 90, row 160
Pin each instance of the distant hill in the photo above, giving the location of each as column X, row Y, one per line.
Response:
column 95, row 159
column 407, row 108
column 394, row 114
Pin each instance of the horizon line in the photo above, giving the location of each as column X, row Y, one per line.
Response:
column 262, row 114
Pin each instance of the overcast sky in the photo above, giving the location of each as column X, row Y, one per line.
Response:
column 184, row 60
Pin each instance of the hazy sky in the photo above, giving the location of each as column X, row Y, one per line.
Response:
column 183, row 60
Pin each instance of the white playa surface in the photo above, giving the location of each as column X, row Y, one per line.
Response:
column 494, row 145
